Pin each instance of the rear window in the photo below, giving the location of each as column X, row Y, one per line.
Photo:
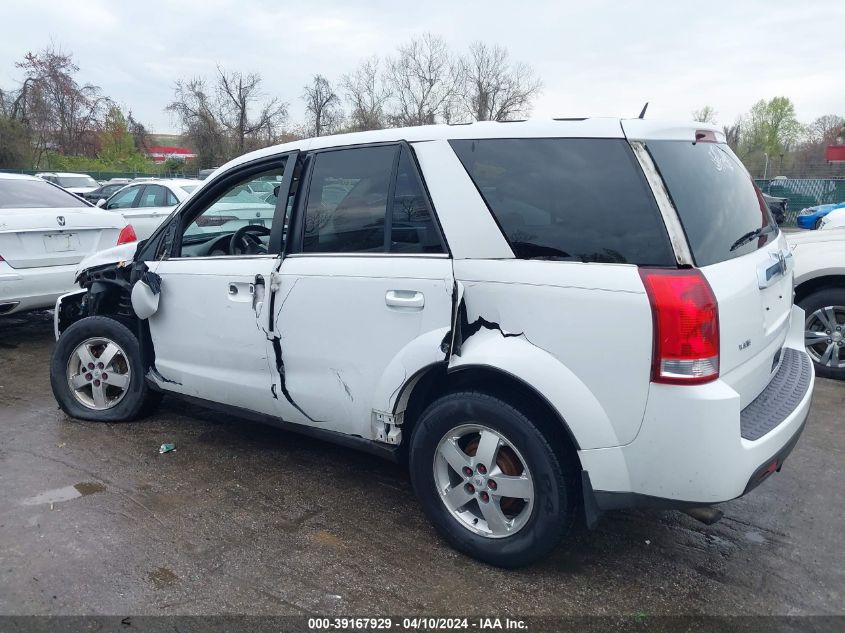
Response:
column 77, row 181
column 715, row 197
column 35, row 194
column 569, row 199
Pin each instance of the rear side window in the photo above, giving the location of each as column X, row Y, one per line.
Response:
column 715, row 197
column 569, row 199
column 412, row 228
column 358, row 197
column 35, row 194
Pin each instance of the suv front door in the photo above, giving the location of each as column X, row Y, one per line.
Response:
column 209, row 332
column 365, row 292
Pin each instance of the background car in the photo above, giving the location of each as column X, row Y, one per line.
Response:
column 811, row 217
column 104, row 191
column 834, row 220
column 820, row 291
column 79, row 184
column 45, row 232
column 145, row 204
column 777, row 206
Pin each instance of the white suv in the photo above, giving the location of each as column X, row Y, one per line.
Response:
column 535, row 315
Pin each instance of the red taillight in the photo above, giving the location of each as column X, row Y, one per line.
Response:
column 686, row 326
column 127, row 234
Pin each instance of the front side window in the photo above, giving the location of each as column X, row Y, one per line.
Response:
column 569, row 199
column 355, row 206
column 237, row 222
column 35, row 194
column 123, row 199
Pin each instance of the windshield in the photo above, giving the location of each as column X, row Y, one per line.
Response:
column 77, row 181
column 716, row 199
column 35, row 194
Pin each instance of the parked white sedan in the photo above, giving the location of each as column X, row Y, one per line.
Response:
column 45, row 232
column 834, row 220
column 79, row 184
column 146, row 204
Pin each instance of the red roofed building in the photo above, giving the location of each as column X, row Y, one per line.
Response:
column 835, row 153
column 160, row 153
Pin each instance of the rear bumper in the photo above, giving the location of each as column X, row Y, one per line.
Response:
column 696, row 447
column 34, row 288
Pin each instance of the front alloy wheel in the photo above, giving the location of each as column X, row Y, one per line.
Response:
column 98, row 373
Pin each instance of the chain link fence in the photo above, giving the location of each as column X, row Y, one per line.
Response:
column 803, row 192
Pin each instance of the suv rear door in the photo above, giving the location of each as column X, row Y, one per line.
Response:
column 367, row 275
column 739, row 249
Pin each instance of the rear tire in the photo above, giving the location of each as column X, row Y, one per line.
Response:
column 819, row 224
column 96, row 372
column 469, row 448
column 824, row 312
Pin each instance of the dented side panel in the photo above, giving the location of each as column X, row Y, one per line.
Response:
column 347, row 344
column 566, row 328
column 207, row 335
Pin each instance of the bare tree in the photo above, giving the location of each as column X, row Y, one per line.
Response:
column 218, row 119
column 732, row 133
column 139, row 133
column 194, row 107
column 423, row 78
column 707, row 114
column 826, row 129
column 62, row 114
column 367, row 95
column 322, row 107
column 493, row 88
column 237, row 93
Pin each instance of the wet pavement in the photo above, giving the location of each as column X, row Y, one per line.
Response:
column 242, row 518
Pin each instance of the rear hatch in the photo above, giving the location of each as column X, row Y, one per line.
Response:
column 737, row 246
column 31, row 238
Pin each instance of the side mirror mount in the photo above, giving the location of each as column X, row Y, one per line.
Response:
column 101, row 203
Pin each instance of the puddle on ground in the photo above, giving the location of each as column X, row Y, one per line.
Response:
column 162, row 577
column 86, row 488
column 82, row 489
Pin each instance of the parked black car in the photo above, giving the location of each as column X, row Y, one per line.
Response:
column 777, row 206
column 103, row 191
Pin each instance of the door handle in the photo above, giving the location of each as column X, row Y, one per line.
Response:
column 240, row 291
column 404, row 299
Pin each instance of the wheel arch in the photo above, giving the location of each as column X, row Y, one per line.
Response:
column 438, row 380
column 809, row 286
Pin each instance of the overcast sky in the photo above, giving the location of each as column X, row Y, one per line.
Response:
column 595, row 58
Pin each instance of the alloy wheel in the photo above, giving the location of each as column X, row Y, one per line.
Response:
column 483, row 481
column 98, row 373
column 824, row 336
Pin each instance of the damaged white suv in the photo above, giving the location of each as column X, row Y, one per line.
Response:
column 537, row 316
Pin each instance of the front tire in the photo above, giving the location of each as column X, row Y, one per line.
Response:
column 96, row 372
column 824, row 331
column 489, row 481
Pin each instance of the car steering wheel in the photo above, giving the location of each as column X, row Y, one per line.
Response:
column 245, row 242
